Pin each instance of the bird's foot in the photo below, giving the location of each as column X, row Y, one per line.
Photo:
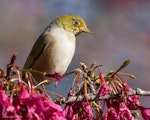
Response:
column 57, row 77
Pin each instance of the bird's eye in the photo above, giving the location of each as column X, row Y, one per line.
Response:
column 75, row 22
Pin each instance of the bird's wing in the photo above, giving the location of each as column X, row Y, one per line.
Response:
column 36, row 51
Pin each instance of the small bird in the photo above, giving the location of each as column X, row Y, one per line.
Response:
column 55, row 47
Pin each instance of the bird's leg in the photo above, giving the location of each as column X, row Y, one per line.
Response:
column 57, row 76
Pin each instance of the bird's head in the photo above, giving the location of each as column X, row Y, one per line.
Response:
column 72, row 23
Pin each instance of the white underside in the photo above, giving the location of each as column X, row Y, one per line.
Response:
column 58, row 54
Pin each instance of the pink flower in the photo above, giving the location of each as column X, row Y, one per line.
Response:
column 4, row 102
column 4, row 99
column 40, row 107
column 87, row 111
column 24, row 95
column 124, row 112
column 111, row 114
column 145, row 112
column 125, row 85
column 104, row 88
column 83, row 109
column 68, row 112
column 118, row 112
column 132, row 102
column 9, row 112
column 7, row 109
column 29, row 106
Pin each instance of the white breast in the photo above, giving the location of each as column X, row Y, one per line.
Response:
column 63, row 50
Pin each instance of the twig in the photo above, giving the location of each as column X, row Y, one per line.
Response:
column 10, row 67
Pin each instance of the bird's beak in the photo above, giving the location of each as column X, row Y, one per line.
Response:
column 85, row 29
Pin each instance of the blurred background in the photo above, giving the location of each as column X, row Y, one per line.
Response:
column 121, row 31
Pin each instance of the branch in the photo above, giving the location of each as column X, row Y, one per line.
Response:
column 140, row 92
column 93, row 97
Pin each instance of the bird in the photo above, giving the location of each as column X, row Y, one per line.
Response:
column 54, row 49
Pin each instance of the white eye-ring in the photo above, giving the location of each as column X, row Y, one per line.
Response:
column 75, row 22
